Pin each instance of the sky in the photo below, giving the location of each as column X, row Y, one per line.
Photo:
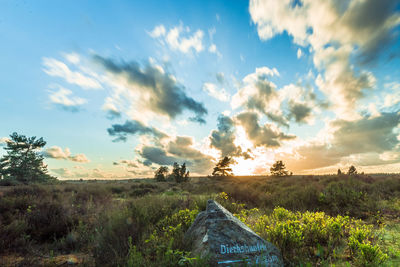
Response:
column 119, row 88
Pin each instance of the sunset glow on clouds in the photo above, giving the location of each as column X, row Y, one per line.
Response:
column 130, row 86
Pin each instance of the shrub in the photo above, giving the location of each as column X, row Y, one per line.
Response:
column 48, row 221
column 315, row 236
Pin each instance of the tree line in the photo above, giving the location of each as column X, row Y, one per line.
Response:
column 23, row 163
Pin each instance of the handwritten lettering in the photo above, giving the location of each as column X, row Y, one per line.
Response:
column 236, row 249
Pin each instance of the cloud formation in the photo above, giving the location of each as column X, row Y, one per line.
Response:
column 155, row 90
column 57, row 68
column 336, row 31
column 183, row 148
column 267, row 135
column 4, row 140
column 56, row 152
column 157, row 155
column 258, row 92
column 371, row 140
column 223, row 138
column 180, row 150
column 180, row 38
column 132, row 127
column 63, row 98
column 261, row 95
column 212, row 90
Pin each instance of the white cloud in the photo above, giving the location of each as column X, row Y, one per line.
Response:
column 183, row 39
column 212, row 90
column 251, row 85
column 158, row 31
column 57, row 68
column 79, row 158
column 73, row 58
column 299, row 53
column 3, row 140
column 212, row 48
column 179, row 38
column 56, row 152
column 63, row 97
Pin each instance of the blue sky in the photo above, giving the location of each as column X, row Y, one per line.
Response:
column 119, row 88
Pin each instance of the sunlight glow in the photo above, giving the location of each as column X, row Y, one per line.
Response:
column 244, row 166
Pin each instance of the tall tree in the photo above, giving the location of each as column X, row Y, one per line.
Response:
column 23, row 161
column 352, row 170
column 161, row 173
column 279, row 169
column 179, row 173
column 223, row 167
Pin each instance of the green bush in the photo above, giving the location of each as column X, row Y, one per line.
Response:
column 315, row 236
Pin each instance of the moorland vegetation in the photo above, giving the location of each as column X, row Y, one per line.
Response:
column 338, row 220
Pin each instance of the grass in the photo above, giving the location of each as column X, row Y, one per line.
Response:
column 314, row 220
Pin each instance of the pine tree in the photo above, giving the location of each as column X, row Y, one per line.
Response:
column 23, row 162
column 279, row 169
column 222, row 168
column 352, row 170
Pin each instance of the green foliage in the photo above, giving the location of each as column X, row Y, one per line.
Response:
column 279, row 169
column 315, row 236
column 222, row 168
column 346, row 197
column 179, row 173
column 23, row 163
column 161, row 174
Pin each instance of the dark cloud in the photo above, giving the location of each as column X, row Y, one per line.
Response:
column 156, row 155
column 300, row 112
column 182, row 148
column 223, row 138
column 132, row 127
column 161, row 93
column 370, row 19
column 129, row 163
column 366, row 135
column 72, row 109
column 280, row 119
column 220, row 77
column 261, row 135
column 179, row 150
column 113, row 114
column 265, row 94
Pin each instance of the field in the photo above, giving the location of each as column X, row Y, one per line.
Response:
column 314, row 220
